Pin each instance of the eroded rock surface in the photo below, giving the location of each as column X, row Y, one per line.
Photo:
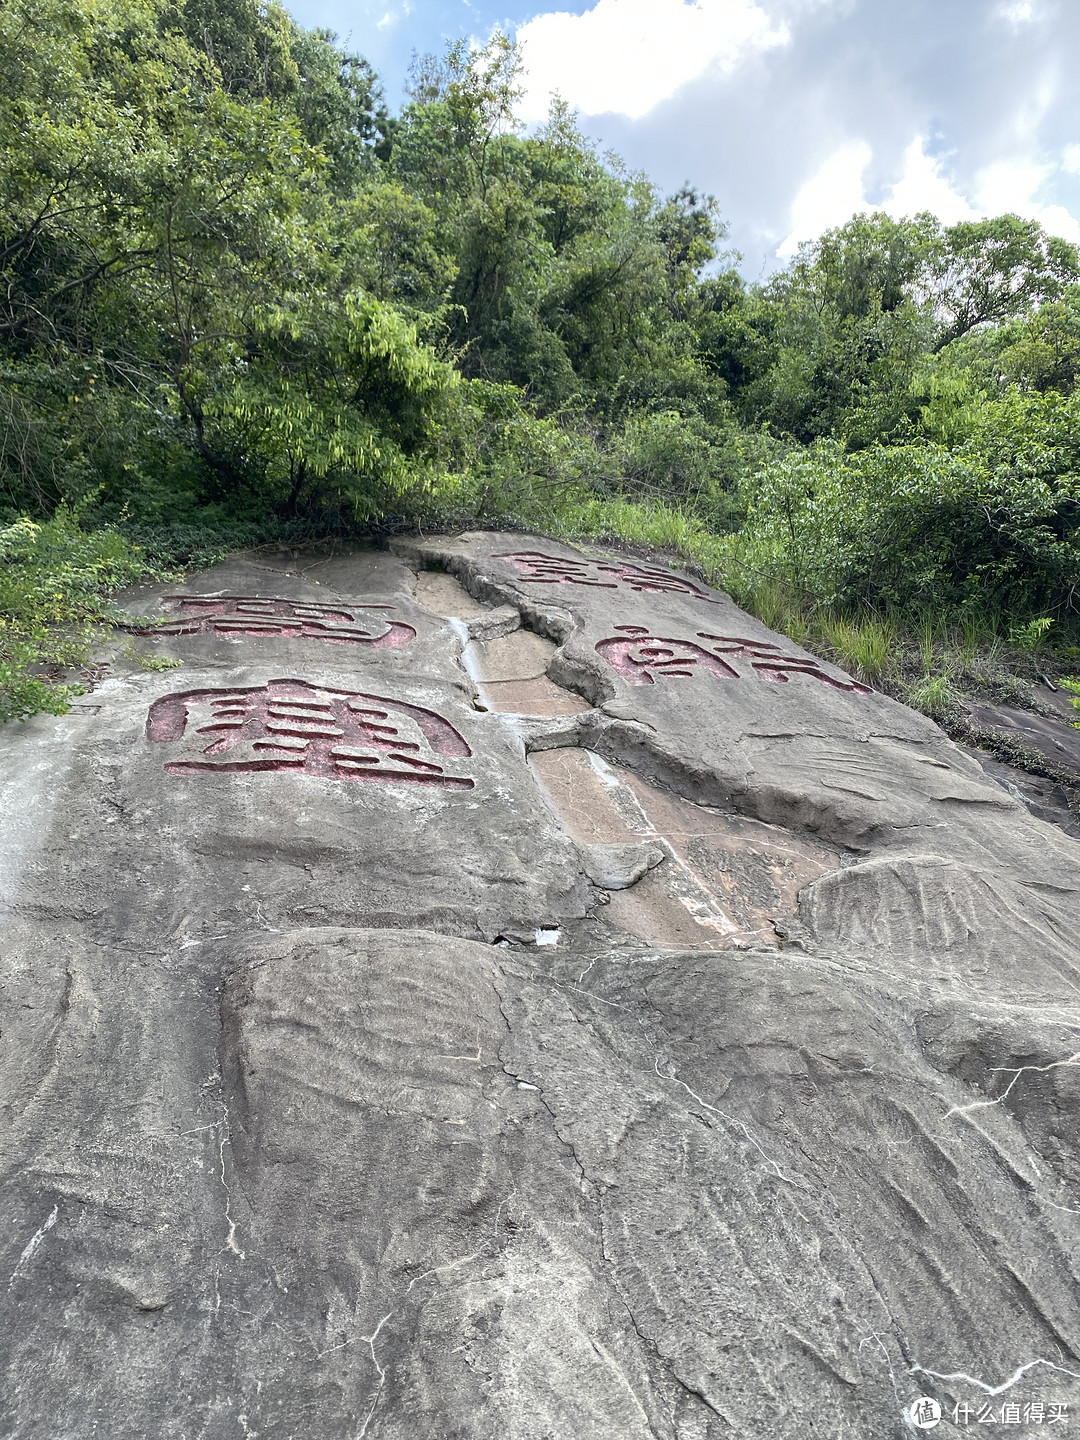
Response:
column 493, row 990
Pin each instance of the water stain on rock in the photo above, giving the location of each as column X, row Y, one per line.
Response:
column 725, row 879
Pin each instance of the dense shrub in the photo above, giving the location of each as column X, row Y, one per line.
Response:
column 994, row 522
column 55, row 584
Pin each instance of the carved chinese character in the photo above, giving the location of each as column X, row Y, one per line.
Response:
column 287, row 619
column 767, row 660
column 642, row 659
column 292, row 725
column 539, row 569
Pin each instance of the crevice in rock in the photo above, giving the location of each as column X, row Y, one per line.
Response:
column 588, row 1187
column 666, row 1364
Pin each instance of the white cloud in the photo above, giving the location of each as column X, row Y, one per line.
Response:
column 626, row 56
column 836, row 192
column 922, row 186
column 1070, row 159
column 1017, row 12
column 1056, row 220
column 390, row 16
column 1009, row 186
column 832, row 195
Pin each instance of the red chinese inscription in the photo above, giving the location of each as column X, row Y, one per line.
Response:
column 287, row 619
column 641, row 659
column 293, row 725
column 538, row 569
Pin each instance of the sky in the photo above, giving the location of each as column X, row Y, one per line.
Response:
column 794, row 114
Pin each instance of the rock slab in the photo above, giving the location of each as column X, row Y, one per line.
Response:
column 494, row 989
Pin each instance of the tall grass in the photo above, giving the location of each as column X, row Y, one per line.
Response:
column 865, row 647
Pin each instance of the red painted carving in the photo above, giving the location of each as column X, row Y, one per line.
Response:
column 287, row 619
column 641, row 659
column 538, row 569
column 770, row 663
column 293, row 725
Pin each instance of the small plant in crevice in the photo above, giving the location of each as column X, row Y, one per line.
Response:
column 147, row 661
column 935, row 696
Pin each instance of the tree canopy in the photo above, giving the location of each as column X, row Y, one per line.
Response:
column 236, row 290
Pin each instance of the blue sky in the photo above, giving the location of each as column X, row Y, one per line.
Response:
column 793, row 113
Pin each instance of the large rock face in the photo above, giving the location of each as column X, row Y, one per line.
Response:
column 496, row 993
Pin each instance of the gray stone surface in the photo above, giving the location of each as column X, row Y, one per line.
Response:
column 617, row 867
column 677, row 1042
column 1045, row 799
column 1057, row 740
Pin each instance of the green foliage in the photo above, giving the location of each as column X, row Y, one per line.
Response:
column 935, row 696
column 1042, row 351
column 862, row 646
column 833, row 345
column 1072, row 684
column 664, row 455
column 1031, row 636
column 990, row 271
column 240, row 303
column 147, row 661
column 55, row 580
column 832, row 340
column 183, row 278
column 172, row 548
column 994, row 522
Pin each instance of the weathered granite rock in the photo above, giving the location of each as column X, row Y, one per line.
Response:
column 497, row 991
column 617, row 867
column 1057, row 742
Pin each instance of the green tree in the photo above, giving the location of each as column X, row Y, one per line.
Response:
column 991, row 271
column 182, row 257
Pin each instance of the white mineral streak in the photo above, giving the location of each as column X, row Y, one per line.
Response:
column 31, row 1247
